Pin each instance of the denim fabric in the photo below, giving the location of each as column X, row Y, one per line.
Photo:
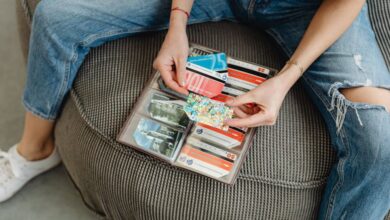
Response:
column 359, row 184
column 64, row 31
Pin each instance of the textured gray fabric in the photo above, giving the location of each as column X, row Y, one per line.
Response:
column 379, row 11
column 283, row 175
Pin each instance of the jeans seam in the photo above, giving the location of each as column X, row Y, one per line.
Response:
column 62, row 90
column 341, row 163
column 340, row 170
column 31, row 109
column 320, row 96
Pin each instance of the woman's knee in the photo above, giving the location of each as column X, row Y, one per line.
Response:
column 55, row 15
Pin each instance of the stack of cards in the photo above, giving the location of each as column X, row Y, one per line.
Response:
column 189, row 131
column 207, row 75
column 242, row 76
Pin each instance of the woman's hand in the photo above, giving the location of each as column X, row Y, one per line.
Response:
column 267, row 97
column 172, row 58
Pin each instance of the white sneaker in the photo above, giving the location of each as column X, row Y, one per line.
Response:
column 16, row 171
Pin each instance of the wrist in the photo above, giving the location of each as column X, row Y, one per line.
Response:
column 288, row 76
column 178, row 20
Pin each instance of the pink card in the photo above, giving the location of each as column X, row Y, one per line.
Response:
column 203, row 82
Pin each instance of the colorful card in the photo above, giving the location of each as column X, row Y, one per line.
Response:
column 207, row 111
column 204, row 162
column 203, row 81
column 168, row 110
column 230, row 138
column 244, row 77
column 216, row 62
column 151, row 135
column 212, row 149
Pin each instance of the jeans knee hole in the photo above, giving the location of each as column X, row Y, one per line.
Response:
column 367, row 97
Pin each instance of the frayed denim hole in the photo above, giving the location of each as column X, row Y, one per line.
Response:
column 341, row 104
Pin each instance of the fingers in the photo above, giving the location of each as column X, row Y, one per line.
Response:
column 181, row 71
column 246, row 109
column 240, row 113
column 241, row 100
column 255, row 120
column 167, row 75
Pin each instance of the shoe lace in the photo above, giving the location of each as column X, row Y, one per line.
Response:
column 6, row 172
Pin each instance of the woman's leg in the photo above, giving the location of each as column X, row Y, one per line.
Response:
column 350, row 85
column 37, row 141
column 63, row 32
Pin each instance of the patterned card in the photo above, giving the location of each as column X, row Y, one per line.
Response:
column 216, row 62
column 204, row 110
column 203, row 81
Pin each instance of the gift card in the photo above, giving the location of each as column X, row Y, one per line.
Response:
column 216, row 62
column 168, row 110
column 216, row 151
column 244, row 76
column 205, row 110
column 230, row 138
column 204, row 162
column 156, row 137
column 204, row 81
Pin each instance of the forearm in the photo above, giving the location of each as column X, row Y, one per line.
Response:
column 331, row 20
column 179, row 19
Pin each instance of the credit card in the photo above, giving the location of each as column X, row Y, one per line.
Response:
column 203, row 81
column 258, row 70
column 245, row 76
column 216, row 62
column 217, row 151
column 203, row 162
column 153, row 136
column 230, row 138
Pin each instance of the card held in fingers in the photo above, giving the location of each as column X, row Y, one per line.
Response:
column 210, row 112
column 204, row 81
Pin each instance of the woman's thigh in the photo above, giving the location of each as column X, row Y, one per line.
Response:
column 80, row 19
column 64, row 31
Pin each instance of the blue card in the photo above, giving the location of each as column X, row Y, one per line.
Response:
column 216, row 62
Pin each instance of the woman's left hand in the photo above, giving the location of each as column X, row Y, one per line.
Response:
column 267, row 99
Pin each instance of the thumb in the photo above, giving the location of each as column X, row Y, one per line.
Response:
column 241, row 100
column 181, row 71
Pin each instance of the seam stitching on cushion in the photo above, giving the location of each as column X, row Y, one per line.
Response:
column 89, row 207
column 27, row 11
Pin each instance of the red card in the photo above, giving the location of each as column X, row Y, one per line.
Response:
column 203, row 83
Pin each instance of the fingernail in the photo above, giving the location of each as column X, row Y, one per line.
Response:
column 183, row 83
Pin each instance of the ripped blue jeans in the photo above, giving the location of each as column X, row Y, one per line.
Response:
column 63, row 32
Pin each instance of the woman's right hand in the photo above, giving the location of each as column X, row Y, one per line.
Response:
column 172, row 58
